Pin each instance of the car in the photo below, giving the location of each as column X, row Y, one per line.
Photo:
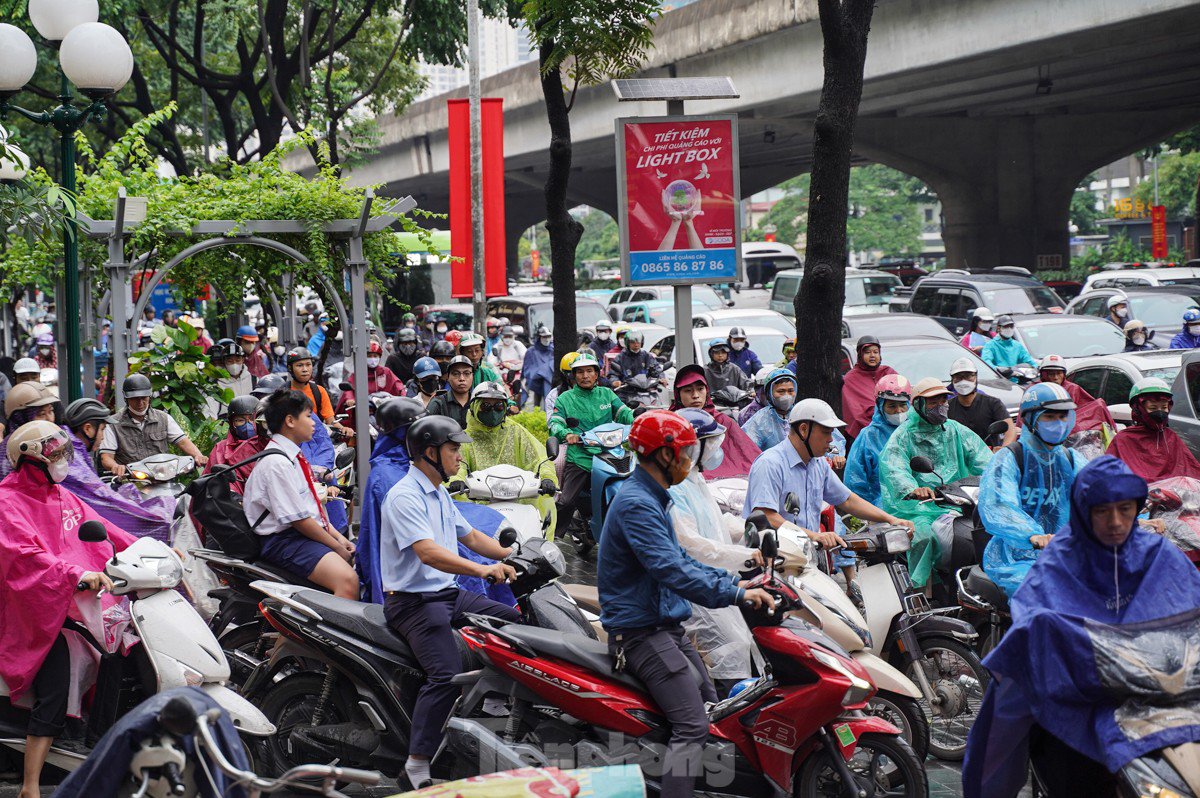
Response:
column 1110, row 377
column 1066, row 289
column 867, row 291
column 1185, row 414
column 530, row 311
column 1159, row 307
column 458, row 316
column 656, row 311
column 766, row 343
column 749, row 317
column 1070, row 336
column 1137, row 278
column 952, row 294
column 908, row 271
column 924, row 356
column 763, row 260
column 889, row 326
column 622, row 297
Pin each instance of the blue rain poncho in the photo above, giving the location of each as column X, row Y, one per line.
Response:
column 955, row 452
column 766, row 427
column 862, row 465
column 1001, row 352
column 1015, row 506
column 1095, row 652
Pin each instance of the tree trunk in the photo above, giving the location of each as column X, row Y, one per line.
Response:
column 818, row 304
column 564, row 230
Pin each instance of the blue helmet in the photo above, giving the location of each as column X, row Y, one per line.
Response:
column 426, row 367
column 1191, row 316
column 1045, row 396
column 716, row 343
column 702, row 422
column 247, row 331
column 775, row 376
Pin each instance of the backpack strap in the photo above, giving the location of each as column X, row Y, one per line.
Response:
column 1018, row 451
column 232, row 467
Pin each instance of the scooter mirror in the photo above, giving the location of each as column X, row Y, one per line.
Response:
column 750, row 539
column 573, row 422
column 552, row 448
column 997, row 428
column 93, row 532
column 769, row 546
column 922, row 465
column 344, row 458
column 178, row 717
column 507, row 537
column 791, row 503
column 345, row 386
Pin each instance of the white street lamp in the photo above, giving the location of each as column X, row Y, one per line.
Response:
column 19, row 59
column 96, row 58
column 54, row 19
column 15, row 165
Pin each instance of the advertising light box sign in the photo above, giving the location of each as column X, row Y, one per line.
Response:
column 679, row 213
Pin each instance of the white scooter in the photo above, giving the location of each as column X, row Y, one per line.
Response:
column 176, row 649
column 501, row 487
column 158, row 474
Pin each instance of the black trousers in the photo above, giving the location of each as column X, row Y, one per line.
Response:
column 575, row 486
column 661, row 659
column 424, row 621
column 51, row 688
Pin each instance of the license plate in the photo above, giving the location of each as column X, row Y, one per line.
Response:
column 844, row 734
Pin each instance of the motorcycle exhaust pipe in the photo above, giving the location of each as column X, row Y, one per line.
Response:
column 466, row 738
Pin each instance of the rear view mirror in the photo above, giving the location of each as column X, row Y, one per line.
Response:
column 507, row 536
column 345, row 386
column 572, row 422
column 552, row 448
column 922, row 465
column 997, row 428
column 344, row 458
column 751, row 538
column 93, row 532
column 791, row 503
column 769, row 546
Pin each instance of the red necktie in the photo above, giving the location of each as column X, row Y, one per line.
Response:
column 312, row 488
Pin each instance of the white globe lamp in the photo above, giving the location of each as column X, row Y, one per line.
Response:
column 97, row 59
column 54, row 19
column 18, row 59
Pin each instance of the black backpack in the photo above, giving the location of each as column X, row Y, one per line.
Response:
column 218, row 510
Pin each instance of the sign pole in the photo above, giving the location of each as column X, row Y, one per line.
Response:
column 479, row 281
column 685, row 348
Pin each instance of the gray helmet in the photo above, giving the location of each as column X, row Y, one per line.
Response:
column 81, row 411
column 136, row 386
column 242, row 406
column 489, row 390
column 269, row 384
column 507, row 330
column 459, row 360
column 433, row 431
column 406, row 336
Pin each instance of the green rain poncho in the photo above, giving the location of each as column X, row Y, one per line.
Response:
column 955, row 451
column 508, row 443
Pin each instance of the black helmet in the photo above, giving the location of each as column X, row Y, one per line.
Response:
column 297, row 355
column 269, row 384
column 865, row 341
column 398, row 412
column 82, row 411
column 242, row 406
column 433, row 431
column 441, row 349
column 217, row 352
column 136, row 386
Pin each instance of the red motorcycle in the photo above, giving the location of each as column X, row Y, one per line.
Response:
column 799, row 730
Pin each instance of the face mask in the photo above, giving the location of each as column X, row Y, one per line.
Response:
column 58, row 470
column 964, row 387
column 235, row 369
column 937, row 415
column 1121, row 312
column 407, row 349
column 896, row 419
column 603, row 336
column 429, row 385
column 44, row 351
column 442, row 329
column 1159, row 416
column 738, row 346
column 372, row 362
column 1139, row 339
column 544, row 339
column 1052, row 433
column 783, row 403
column 508, row 340
column 713, row 454
column 491, row 418
column 1194, row 329
column 279, row 351
column 1007, row 332
column 985, row 326
column 243, row 432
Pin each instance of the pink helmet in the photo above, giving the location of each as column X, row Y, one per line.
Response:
column 894, row 388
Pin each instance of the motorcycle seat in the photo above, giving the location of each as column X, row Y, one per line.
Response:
column 360, row 619
column 287, row 577
column 981, row 585
column 577, row 650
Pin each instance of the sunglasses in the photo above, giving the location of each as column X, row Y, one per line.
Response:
column 491, row 406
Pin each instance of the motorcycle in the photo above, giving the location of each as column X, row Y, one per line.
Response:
column 638, row 391
column 1176, row 503
column 730, row 400
column 176, row 650
column 612, row 463
column 158, row 475
column 798, row 730
column 502, row 487
column 360, row 709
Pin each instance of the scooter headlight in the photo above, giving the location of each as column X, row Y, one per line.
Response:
column 859, row 691
column 897, row 540
column 555, row 557
column 610, row 439
column 505, row 488
column 169, row 569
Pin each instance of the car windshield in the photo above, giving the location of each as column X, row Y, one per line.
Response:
column 896, row 326
column 588, row 313
column 875, row 290
column 1166, row 374
column 706, row 296
column 1022, row 299
column 1180, row 281
column 1161, row 311
column 454, row 319
column 932, row 359
column 1074, row 338
column 771, row 320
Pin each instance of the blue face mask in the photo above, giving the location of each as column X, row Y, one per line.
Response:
column 1052, row 433
column 244, row 432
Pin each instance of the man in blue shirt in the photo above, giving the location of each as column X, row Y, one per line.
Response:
column 419, row 535
column 646, row 580
column 797, row 465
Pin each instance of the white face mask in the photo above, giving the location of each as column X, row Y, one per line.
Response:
column 1121, row 312
column 372, row 362
column 545, row 339
column 235, row 369
column 738, row 346
column 1139, row 339
column 985, row 326
column 508, row 340
column 964, row 387
column 1194, row 329
column 279, row 350
column 58, row 469
column 1007, row 332
column 896, row 419
column 603, row 335
column 713, row 454
column 442, row 329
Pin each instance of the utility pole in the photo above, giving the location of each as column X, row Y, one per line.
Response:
column 478, row 267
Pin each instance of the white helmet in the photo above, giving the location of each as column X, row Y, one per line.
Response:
column 814, row 410
column 963, row 365
column 44, row 442
column 760, row 377
column 26, row 365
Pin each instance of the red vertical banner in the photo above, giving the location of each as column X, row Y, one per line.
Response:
column 459, row 143
column 1158, row 231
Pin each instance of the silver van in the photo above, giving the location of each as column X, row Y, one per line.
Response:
column 867, row 291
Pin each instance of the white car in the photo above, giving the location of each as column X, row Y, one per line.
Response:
column 764, row 341
column 1130, row 278
column 1110, row 377
column 745, row 317
column 701, row 294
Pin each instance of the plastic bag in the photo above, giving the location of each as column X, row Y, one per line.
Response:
column 198, row 579
column 943, row 530
column 1089, row 443
column 1177, row 502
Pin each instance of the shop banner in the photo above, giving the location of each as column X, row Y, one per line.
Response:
column 1158, row 232
column 462, row 268
column 679, row 213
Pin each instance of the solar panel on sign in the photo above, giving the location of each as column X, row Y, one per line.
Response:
column 633, row 89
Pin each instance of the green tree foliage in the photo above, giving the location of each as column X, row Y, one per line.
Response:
column 183, row 377
column 884, row 214
column 1084, row 214
column 1178, row 174
column 33, row 212
column 789, row 216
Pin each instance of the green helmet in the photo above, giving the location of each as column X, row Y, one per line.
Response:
column 1149, row 385
column 584, row 360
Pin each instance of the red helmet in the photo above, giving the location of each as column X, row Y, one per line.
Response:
column 454, row 336
column 374, row 348
column 658, row 428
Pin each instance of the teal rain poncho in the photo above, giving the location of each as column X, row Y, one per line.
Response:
column 955, row 451
column 862, row 465
column 508, row 443
column 1015, row 506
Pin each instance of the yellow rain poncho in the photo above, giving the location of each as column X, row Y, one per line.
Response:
column 508, row 443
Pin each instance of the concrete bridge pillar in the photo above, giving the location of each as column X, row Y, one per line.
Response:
column 1005, row 183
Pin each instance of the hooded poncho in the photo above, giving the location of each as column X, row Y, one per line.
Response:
column 955, row 451
column 41, row 562
column 127, row 509
column 1185, row 340
column 1016, row 505
column 739, row 450
column 508, row 443
column 858, row 395
column 1086, row 617
column 720, row 375
column 538, row 370
column 862, row 465
column 1152, row 450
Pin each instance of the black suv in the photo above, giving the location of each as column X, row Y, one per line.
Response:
column 951, row 294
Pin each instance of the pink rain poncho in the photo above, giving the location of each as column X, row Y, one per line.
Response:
column 858, row 395
column 739, row 450
column 41, row 561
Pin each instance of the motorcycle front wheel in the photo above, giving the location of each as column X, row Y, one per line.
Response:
column 906, row 715
column 293, row 702
column 959, row 680
column 882, row 765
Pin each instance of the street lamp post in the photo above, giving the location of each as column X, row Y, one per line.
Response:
column 97, row 60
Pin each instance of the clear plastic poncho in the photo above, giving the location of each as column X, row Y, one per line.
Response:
column 721, row 635
column 862, row 464
column 955, row 451
column 508, row 443
column 1015, row 506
